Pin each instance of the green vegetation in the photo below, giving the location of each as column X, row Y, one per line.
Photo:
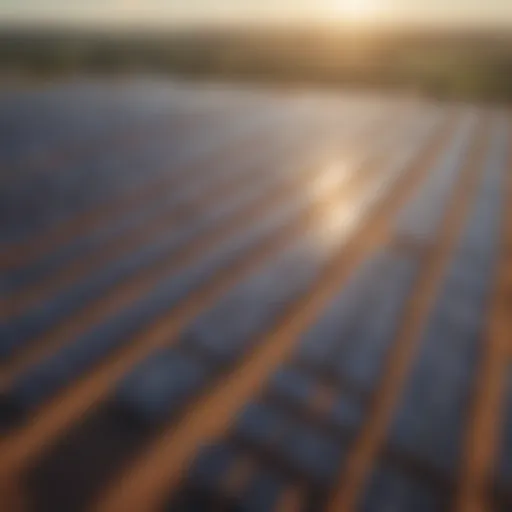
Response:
column 473, row 66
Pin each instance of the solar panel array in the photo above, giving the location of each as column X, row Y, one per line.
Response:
column 231, row 299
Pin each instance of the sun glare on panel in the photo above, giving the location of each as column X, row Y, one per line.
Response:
column 329, row 179
column 333, row 213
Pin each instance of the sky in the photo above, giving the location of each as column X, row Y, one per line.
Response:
column 182, row 12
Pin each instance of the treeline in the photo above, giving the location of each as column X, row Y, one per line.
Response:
column 456, row 65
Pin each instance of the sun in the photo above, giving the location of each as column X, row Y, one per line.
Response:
column 356, row 10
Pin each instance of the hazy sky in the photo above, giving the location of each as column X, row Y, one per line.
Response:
column 181, row 11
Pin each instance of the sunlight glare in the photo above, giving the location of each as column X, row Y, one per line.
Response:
column 330, row 178
column 333, row 213
column 356, row 10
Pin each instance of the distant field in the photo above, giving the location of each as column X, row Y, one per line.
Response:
column 473, row 66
